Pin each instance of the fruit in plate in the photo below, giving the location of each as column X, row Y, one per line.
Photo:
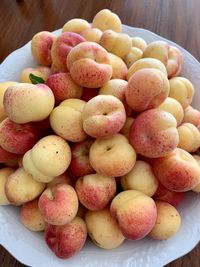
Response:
column 182, row 90
column 42, row 72
column 146, row 63
column 146, row 89
column 41, row 45
column 80, row 164
column 134, row 212
column 178, row 171
column 140, row 178
column 95, row 191
column 20, row 187
column 68, row 239
column 119, row 68
column 51, row 151
column 167, row 223
column 116, row 43
column 61, row 48
column 3, row 88
column 158, row 50
column 111, row 236
column 4, row 173
column 76, row 25
column 175, row 62
column 31, row 217
column 105, row 19
column 197, row 188
column 89, row 65
column 66, row 120
column 172, row 106
column 103, row 115
column 139, row 43
column 153, row 133
column 115, row 87
column 133, row 55
column 189, row 137
column 6, row 156
column 171, row 56
column 92, row 35
column 112, row 156
column 127, row 126
column 192, row 115
column 58, row 204
column 17, row 138
column 171, row 197
column 26, row 102
column 63, row 86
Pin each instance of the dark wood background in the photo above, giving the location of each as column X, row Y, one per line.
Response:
column 177, row 20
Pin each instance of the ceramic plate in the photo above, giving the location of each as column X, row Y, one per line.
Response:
column 30, row 248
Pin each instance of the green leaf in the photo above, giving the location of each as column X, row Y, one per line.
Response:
column 35, row 79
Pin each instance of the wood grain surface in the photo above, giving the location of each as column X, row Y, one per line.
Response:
column 177, row 20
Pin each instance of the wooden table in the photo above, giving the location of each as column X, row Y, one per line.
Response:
column 177, row 20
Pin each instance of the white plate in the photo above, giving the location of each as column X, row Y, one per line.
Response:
column 30, row 248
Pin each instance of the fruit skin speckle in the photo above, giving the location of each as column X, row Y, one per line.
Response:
column 153, row 133
column 89, row 65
